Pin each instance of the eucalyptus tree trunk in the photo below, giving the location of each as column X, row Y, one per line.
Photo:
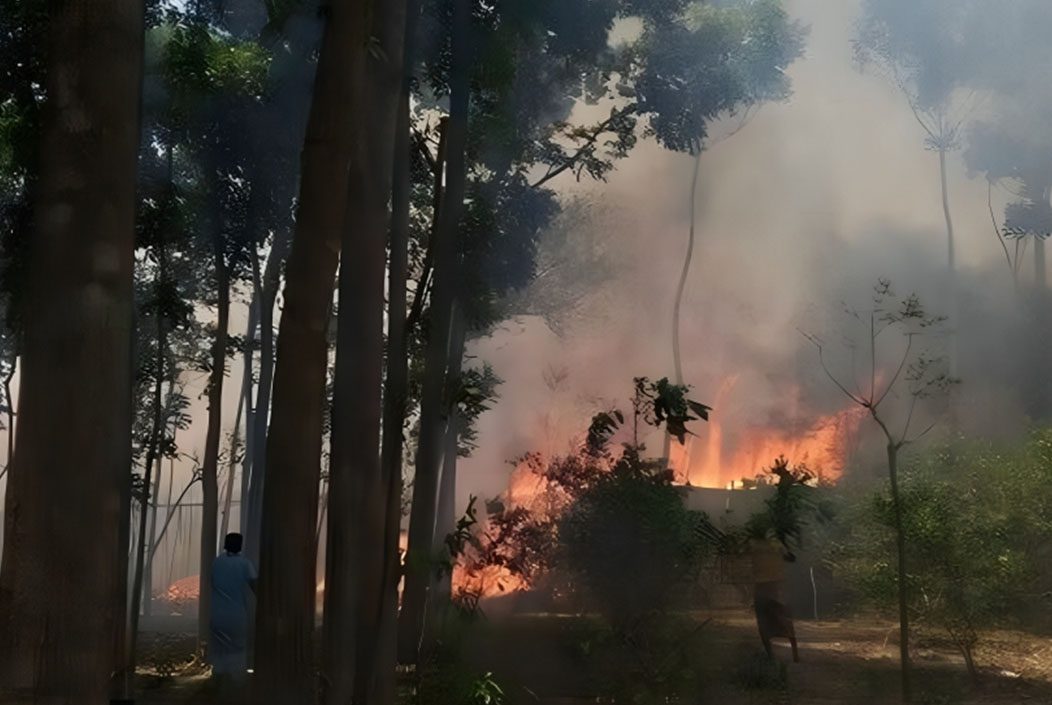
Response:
column 235, row 446
column 284, row 649
column 951, row 260
column 396, row 381
column 248, row 364
column 147, row 578
column 418, row 568
column 62, row 587
column 446, row 518
column 210, row 464
column 152, row 449
column 252, row 506
column 354, row 550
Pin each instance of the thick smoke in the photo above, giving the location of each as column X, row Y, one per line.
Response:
column 805, row 207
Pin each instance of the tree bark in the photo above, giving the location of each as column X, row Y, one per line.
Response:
column 62, row 587
column 357, row 509
column 900, row 544
column 446, row 517
column 951, row 260
column 248, row 363
column 235, row 445
column 147, row 579
column 688, row 258
column 416, row 310
column 261, row 414
column 284, row 651
column 144, row 506
column 396, row 382
column 210, row 464
column 425, row 486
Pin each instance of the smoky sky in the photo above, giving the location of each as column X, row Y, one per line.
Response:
column 807, row 206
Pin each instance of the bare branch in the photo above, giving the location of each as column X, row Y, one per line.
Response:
column 902, row 365
column 884, row 427
column 747, row 115
column 588, row 146
column 909, row 417
column 872, row 356
column 825, row 368
column 922, row 434
column 993, row 219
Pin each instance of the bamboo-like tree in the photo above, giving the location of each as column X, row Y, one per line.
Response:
column 285, row 662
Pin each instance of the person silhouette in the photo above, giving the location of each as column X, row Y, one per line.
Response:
column 773, row 617
column 233, row 576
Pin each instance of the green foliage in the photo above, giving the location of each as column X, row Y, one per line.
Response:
column 922, row 44
column 665, row 404
column 654, row 661
column 448, row 680
column 474, row 394
column 720, row 61
column 976, row 521
column 198, row 62
column 785, row 513
column 631, row 522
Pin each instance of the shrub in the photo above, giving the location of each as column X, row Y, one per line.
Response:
column 975, row 520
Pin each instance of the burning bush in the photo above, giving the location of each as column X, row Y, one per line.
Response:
column 515, row 545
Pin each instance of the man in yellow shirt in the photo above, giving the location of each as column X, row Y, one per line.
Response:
column 772, row 614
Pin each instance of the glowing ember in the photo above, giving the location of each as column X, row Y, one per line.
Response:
column 489, row 581
column 183, row 591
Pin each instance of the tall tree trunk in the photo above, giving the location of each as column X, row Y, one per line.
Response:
column 210, row 464
column 425, row 485
column 900, row 544
column 235, row 446
column 147, row 579
column 688, row 259
column 63, row 588
column 244, row 400
column 354, row 549
column 157, row 433
column 261, row 415
column 951, row 261
column 284, row 652
column 247, row 366
column 446, row 518
column 396, row 382
column 151, row 458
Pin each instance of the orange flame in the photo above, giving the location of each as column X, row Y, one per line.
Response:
column 824, row 447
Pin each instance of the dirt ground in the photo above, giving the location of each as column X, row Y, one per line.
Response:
column 853, row 662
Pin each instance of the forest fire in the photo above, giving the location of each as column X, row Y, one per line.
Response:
column 824, row 447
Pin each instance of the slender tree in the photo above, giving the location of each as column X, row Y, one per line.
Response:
column 425, row 484
column 63, row 589
column 920, row 49
column 921, row 376
column 284, row 652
